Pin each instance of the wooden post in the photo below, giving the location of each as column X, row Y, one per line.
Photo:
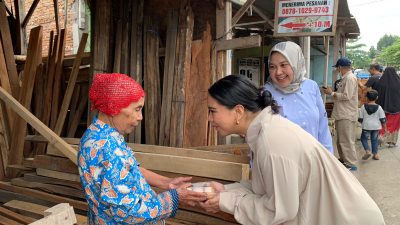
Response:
column 305, row 46
column 326, row 65
column 34, row 59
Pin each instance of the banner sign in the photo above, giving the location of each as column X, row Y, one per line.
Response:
column 305, row 17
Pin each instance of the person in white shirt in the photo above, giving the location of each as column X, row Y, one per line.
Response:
column 294, row 179
column 372, row 117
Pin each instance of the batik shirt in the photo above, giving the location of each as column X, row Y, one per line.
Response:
column 115, row 189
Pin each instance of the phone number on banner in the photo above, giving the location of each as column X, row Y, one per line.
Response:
column 323, row 11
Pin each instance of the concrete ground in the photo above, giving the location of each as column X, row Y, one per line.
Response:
column 381, row 178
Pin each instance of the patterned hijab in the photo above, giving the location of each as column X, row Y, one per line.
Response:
column 292, row 52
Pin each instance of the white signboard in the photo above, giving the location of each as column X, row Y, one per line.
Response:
column 305, row 17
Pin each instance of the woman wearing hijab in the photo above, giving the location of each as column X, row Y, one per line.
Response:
column 118, row 190
column 300, row 98
column 389, row 99
column 294, row 180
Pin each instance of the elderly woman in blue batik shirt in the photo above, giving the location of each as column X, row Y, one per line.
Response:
column 116, row 188
column 300, row 98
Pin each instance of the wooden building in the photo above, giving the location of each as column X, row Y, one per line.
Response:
column 175, row 49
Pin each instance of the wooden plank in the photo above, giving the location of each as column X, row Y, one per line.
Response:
column 34, row 58
column 74, row 105
column 192, row 166
column 241, row 12
column 71, row 84
column 188, row 153
column 228, row 153
column 42, row 195
column 61, row 214
column 168, row 79
column 30, row 12
column 57, row 79
column 69, row 91
column 15, row 216
column 78, row 113
column 55, row 5
column 55, row 163
column 49, row 180
column 8, row 51
column 183, row 57
column 201, row 218
column 52, row 138
column 235, row 149
column 151, row 83
column 27, row 208
column 4, row 149
column 238, row 43
column 136, row 57
column 49, row 188
column 58, row 175
column 6, row 196
column 6, row 221
column 36, row 210
column 51, row 67
column 198, row 82
column 5, row 83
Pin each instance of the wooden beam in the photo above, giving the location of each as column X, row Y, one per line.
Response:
column 61, row 214
column 220, row 153
column 192, row 166
column 241, row 12
column 238, row 43
column 36, row 210
column 30, row 12
column 9, row 10
column 58, row 175
column 54, row 163
column 168, row 80
column 15, row 216
column 42, row 195
column 8, row 51
column 49, row 188
column 262, row 15
column 55, row 4
column 70, row 89
column 7, row 221
column 34, row 59
column 49, row 180
column 51, row 137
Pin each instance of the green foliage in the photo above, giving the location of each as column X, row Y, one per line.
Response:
column 385, row 41
column 372, row 52
column 359, row 57
column 391, row 55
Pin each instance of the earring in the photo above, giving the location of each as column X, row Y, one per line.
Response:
column 237, row 122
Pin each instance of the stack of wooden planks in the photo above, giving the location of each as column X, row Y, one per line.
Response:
column 55, row 179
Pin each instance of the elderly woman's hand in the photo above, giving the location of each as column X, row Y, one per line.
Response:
column 212, row 203
column 179, row 182
column 190, row 197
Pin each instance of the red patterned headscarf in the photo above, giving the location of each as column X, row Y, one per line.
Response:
column 112, row 92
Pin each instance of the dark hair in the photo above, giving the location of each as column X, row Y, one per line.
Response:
column 235, row 90
column 375, row 66
column 372, row 95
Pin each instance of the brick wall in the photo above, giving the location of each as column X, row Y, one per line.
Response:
column 44, row 16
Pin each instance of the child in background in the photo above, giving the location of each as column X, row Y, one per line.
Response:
column 372, row 117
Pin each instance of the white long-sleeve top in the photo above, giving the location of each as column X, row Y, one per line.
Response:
column 296, row 181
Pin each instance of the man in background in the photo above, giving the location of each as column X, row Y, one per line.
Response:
column 345, row 113
column 374, row 70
